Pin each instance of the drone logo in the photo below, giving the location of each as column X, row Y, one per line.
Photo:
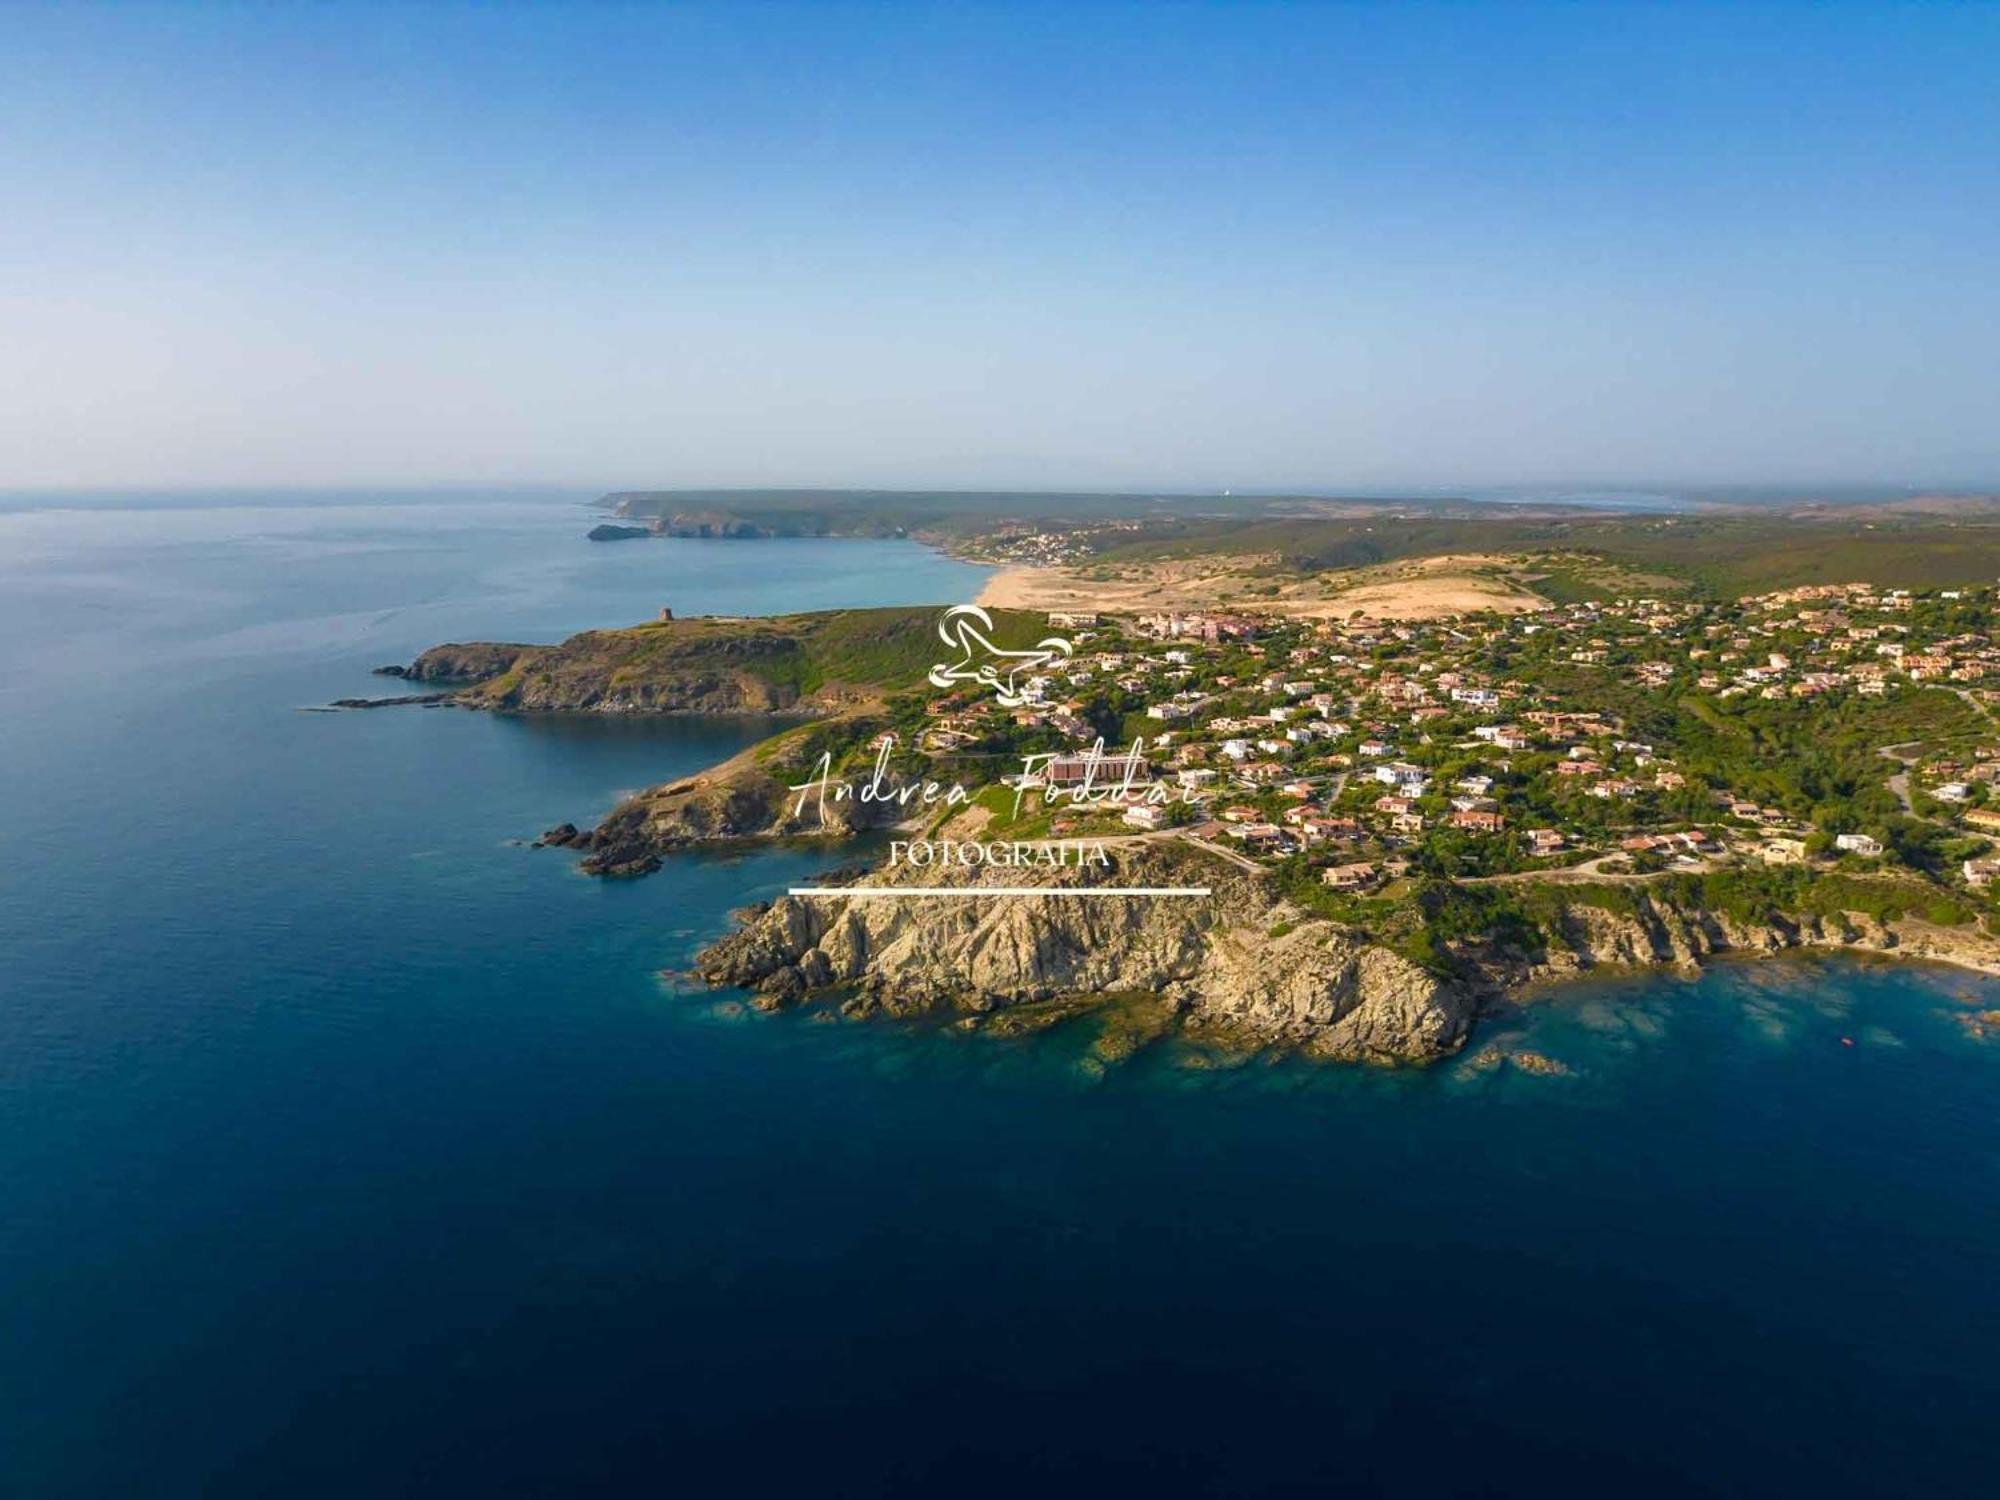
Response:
column 970, row 629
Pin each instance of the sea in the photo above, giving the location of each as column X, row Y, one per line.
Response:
column 349, row 1146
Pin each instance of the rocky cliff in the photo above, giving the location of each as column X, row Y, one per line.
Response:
column 1643, row 930
column 1231, row 961
column 475, row 661
column 635, row 671
column 1242, row 961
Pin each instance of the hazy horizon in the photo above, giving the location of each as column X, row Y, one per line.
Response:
column 1097, row 247
column 1629, row 494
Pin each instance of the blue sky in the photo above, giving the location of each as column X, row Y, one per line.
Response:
column 1094, row 245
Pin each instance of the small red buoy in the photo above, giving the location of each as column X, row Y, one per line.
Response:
column 1847, row 1041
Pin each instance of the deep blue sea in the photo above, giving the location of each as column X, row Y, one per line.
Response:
column 349, row 1147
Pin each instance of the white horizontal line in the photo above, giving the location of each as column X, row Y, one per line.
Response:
column 859, row 891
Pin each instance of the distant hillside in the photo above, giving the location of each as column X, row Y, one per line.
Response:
column 754, row 513
column 809, row 663
column 1720, row 554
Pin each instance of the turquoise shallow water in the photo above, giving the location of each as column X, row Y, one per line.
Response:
column 346, row 1146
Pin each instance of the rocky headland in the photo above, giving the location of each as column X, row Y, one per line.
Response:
column 805, row 665
column 1226, row 962
column 1243, row 963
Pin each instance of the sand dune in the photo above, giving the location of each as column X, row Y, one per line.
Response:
column 1419, row 591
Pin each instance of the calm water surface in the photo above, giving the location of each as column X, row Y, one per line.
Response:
column 348, row 1147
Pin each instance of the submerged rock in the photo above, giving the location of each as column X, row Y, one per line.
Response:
column 1538, row 1064
column 1981, row 1025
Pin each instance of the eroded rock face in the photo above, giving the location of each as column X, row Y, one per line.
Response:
column 475, row 661
column 1240, row 962
column 735, row 670
column 544, row 685
column 1656, row 933
column 1214, row 958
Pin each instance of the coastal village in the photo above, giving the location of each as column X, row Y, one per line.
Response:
column 1831, row 727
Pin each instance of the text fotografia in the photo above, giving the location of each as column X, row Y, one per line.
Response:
column 924, row 853
column 1093, row 776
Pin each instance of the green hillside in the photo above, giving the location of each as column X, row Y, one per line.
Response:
column 716, row 664
column 886, row 648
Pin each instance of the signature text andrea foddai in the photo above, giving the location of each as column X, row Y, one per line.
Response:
column 1121, row 787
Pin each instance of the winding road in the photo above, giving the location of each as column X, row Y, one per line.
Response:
column 1900, row 782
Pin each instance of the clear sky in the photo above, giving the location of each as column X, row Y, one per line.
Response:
column 999, row 244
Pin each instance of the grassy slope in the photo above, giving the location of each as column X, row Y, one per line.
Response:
column 861, row 648
column 887, row 648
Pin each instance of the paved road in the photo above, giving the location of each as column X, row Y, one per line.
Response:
column 1590, row 870
column 1901, row 781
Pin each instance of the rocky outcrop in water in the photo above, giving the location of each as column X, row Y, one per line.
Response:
column 747, row 798
column 400, row 701
column 476, row 661
column 1230, row 962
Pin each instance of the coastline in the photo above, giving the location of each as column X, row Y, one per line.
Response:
column 1552, row 983
column 483, row 971
column 1557, row 986
column 1016, row 586
column 1250, row 962
column 1379, row 998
